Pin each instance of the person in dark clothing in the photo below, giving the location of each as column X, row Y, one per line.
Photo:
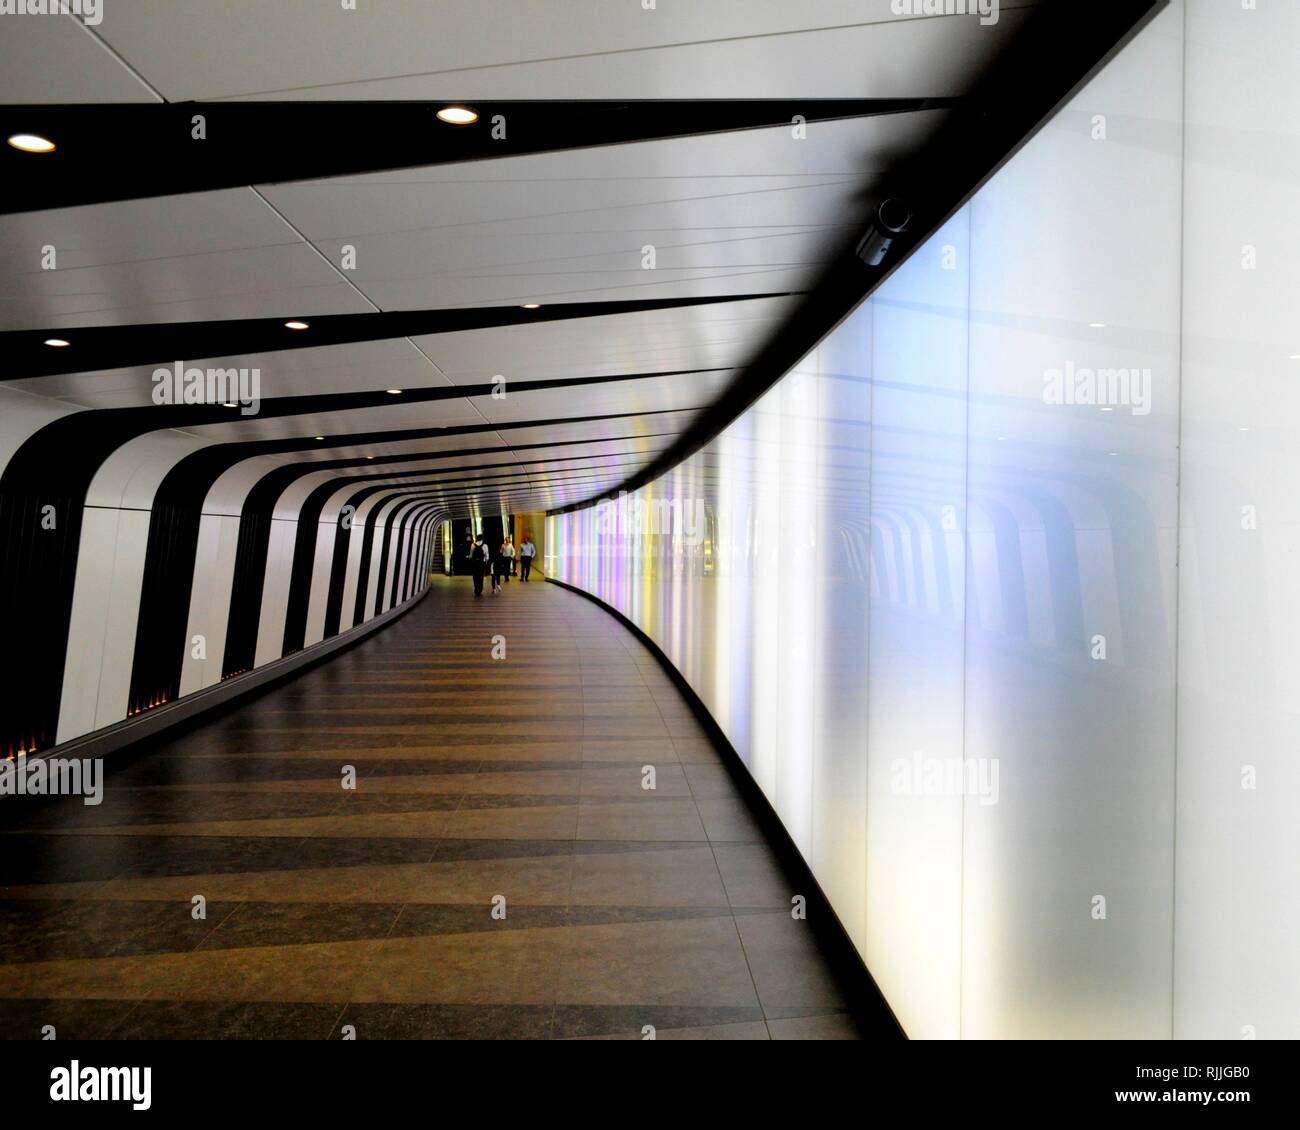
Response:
column 500, row 571
column 479, row 560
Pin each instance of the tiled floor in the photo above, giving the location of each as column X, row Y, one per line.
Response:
column 508, row 787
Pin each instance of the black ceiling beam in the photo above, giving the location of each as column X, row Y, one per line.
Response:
column 24, row 354
column 108, row 152
column 1060, row 47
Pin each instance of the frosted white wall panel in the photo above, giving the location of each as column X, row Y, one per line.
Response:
column 1082, row 227
column 915, row 675
column 840, row 517
column 1238, row 912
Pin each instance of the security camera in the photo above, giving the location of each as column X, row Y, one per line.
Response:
column 891, row 220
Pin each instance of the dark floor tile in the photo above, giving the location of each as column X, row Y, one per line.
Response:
column 752, row 876
column 824, row 1026
column 35, row 858
column 447, row 1021
column 515, row 800
column 526, row 766
column 221, row 1020
column 603, row 1020
column 789, row 971
column 143, row 806
column 453, row 849
column 27, row 1019
column 364, row 804
column 419, row 919
column 577, row 915
column 298, row 923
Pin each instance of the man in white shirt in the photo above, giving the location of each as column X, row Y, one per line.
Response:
column 527, row 552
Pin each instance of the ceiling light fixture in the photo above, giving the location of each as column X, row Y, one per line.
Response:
column 56, row 342
column 393, row 391
column 532, row 305
column 320, row 437
column 1096, row 325
column 457, row 115
column 31, row 143
column 296, row 325
column 229, row 404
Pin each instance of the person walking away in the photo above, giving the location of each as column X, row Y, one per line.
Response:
column 498, row 570
column 526, row 553
column 478, row 563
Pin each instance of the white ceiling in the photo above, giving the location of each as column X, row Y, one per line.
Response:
column 504, row 49
column 755, row 211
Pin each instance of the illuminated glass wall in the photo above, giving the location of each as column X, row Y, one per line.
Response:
column 995, row 593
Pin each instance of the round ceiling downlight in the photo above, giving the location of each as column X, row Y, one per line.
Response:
column 457, row 115
column 31, row 143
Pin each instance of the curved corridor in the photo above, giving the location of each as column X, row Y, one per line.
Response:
column 498, row 870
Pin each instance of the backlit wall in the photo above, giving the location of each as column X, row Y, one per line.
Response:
column 995, row 594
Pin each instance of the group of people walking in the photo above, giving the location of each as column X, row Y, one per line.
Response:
column 501, row 567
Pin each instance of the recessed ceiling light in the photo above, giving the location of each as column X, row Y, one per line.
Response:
column 369, row 456
column 320, row 437
column 1108, row 409
column 457, row 116
column 532, row 305
column 296, row 325
column 393, row 391
column 229, row 404
column 56, row 342
column 31, row 143
column 1096, row 325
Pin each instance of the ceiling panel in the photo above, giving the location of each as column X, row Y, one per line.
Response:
column 46, row 59
column 205, row 255
column 750, row 211
column 895, row 58
column 194, row 49
column 699, row 337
